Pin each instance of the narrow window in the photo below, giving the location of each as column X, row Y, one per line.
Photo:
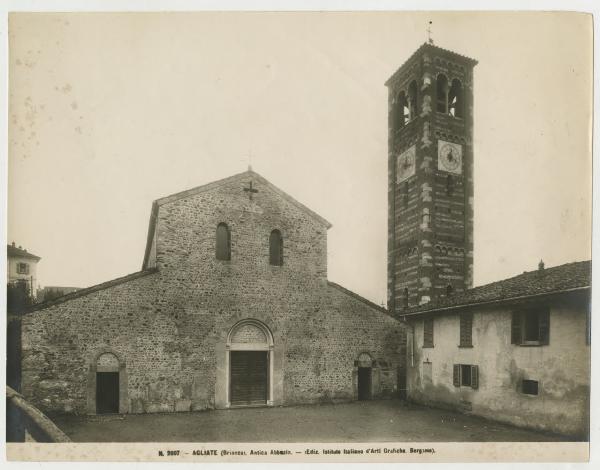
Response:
column 466, row 330
column 426, row 220
column 223, row 242
column 276, row 248
column 406, row 194
column 406, row 297
column 455, row 99
column 442, row 94
column 412, row 100
column 449, row 185
column 428, row 333
column 449, row 290
column 529, row 387
column 401, row 113
column 465, row 375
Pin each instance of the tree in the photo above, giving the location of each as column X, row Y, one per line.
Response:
column 18, row 296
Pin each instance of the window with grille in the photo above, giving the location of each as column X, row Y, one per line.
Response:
column 466, row 330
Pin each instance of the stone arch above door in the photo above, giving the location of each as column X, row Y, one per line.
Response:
column 249, row 334
column 107, row 360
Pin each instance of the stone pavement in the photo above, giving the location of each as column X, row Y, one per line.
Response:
column 372, row 421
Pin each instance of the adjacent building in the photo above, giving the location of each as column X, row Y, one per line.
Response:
column 22, row 267
column 517, row 350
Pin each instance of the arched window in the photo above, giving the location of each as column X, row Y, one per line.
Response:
column 449, row 185
column 401, row 114
column 449, row 290
column 412, row 100
column 276, row 248
column 442, row 94
column 455, row 99
column 223, row 242
column 406, row 297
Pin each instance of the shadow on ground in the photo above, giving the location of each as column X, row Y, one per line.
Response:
column 373, row 421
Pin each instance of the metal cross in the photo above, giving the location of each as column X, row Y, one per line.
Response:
column 429, row 40
column 250, row 190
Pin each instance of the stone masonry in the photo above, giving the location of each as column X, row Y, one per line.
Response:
column 169, row 324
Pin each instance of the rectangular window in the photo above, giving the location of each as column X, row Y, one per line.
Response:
column 428, row 333
column 22, row 268
column 466, row 375
column 531, row 327
column 529, row 387
column 466, row 330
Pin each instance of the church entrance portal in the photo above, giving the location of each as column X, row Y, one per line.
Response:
column 249, row 378
column 364, row 383
column 250, row 357
column 107, row 392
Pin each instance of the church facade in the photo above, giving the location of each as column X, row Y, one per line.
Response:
column 232, row 307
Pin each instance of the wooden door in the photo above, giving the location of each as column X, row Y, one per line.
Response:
column 364, row 383
column 249, row 378
column 107, row 392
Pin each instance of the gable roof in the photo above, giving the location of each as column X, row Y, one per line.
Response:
column 242, row 178
column 559, row 279
column 13, row 251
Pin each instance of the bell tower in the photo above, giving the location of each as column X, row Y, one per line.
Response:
column 430, row 177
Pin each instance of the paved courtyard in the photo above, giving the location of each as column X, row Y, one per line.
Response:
column 350, row 422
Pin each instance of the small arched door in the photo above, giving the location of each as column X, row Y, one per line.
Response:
column 107, row 384
column 365, row 377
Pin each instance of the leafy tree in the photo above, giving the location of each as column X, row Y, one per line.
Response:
column 18, row 296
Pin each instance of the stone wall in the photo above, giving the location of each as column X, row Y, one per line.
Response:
column 561, row 368
column 169, row 326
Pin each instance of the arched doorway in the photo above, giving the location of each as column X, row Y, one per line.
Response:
column 107, row 384
column 250, row 350
column 365, row 376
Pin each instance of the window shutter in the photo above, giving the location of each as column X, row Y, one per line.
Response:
column 456, row 375
column 515, row 333
column 544, row 322
column 475, row 377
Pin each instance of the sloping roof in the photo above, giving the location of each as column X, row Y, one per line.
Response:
column 242, row 178
column 13, row 251
column 564, row 278
column 360, row 298
column 431, row 48
column 88, row 290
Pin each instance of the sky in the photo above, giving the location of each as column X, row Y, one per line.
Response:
column 108, row 112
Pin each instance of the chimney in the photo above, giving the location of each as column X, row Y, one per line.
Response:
column 541, row 265
column 13, row 244
column 20, row 247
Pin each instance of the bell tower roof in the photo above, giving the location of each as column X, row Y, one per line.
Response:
column 431, row 48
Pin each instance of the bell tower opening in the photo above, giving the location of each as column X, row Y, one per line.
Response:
column 430, row 149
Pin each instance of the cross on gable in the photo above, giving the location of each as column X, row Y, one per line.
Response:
column 250, row 190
